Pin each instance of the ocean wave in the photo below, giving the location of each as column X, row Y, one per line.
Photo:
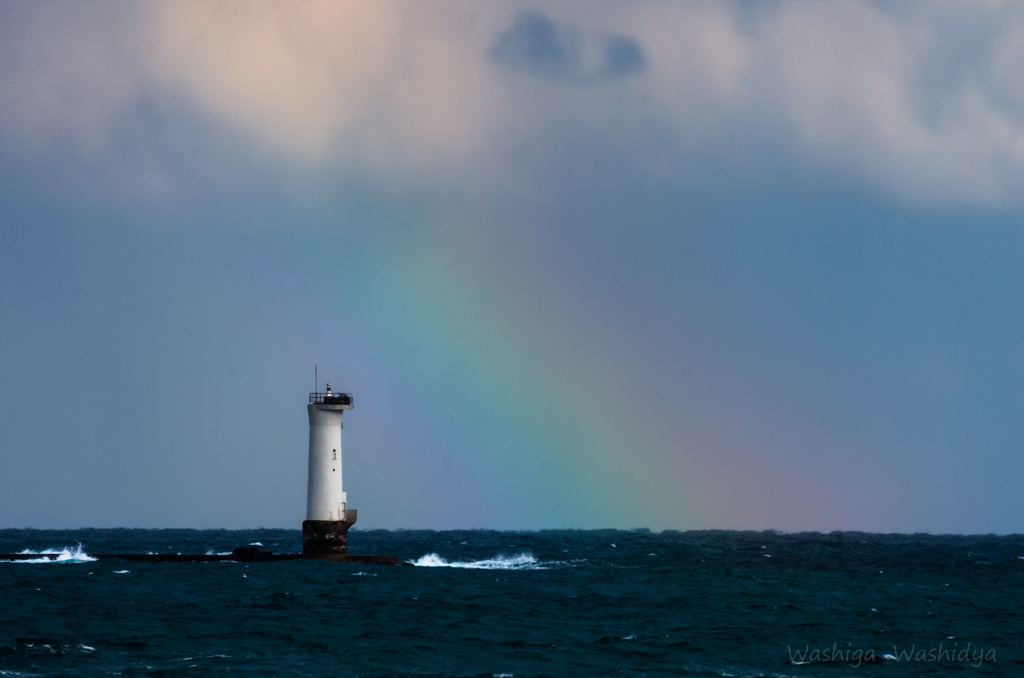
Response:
column 64, row 555
column 521, row 561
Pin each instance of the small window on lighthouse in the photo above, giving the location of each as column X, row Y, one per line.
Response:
column 335, row 454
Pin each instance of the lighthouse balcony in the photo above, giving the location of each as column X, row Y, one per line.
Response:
column 342, row 401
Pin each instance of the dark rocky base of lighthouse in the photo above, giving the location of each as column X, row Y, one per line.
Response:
column 325, row 537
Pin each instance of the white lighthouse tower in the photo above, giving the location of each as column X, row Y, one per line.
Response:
column 325, row 530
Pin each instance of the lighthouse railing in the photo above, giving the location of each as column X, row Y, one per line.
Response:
column 330, row 398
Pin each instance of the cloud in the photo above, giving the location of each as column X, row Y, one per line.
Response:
column 622, row 56
column 538, row 46
column 850, row 83
column 923, row 101
column 65, row 71
column 294, row 75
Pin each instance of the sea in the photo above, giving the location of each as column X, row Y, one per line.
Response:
column 517, row 604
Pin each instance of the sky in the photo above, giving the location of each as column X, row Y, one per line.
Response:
column 673, row 265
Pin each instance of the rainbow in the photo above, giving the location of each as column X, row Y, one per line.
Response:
column 540, row 420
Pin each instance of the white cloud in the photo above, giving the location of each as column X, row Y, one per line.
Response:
column 405, row 90
column 850, row 84
column 292, row 75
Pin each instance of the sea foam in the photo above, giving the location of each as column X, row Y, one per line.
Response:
column 65, row 555
column 521, row 561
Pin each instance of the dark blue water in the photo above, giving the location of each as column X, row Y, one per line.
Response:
column 561, row 603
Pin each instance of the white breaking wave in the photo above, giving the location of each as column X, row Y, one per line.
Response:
column 65, row 555
column 522, row 561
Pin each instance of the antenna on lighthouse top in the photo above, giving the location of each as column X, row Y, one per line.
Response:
column 316, row 380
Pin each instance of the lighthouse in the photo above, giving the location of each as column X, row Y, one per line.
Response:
column 325, row 529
